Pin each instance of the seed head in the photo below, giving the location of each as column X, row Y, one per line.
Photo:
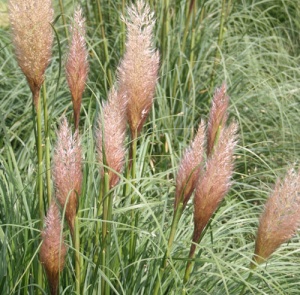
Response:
column 217, row 116
column 281, row 217
column 32, row 38
column 77, row 63
column 189, row 168
column 53, row 250
column 67, row 166
column 215, row 182
column 138, row 71
column 110, row 136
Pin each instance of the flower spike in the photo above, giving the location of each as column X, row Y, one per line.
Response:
column 67, row 165
column 77, row 63
column 280, row 219
column 32, row 38
column 138, row 71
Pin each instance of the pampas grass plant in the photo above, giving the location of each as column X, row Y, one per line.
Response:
column 157, row 184
column 32, row 37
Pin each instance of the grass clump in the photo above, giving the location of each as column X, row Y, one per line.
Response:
column 138, row 197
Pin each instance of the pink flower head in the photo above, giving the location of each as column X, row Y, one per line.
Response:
column 215, row 182
column 138, row 71
column 217, row 117
column 67, row 166
column 53, row 250
column 32, row 38
column 281, row 217
column 77, row 63
column 189, row 168
column 110, row 136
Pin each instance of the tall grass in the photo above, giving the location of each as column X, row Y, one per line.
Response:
column 252, row 45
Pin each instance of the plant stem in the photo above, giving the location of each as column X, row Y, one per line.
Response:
column 47, row 139
column 183, row 44
column 108, row 236
column 97, row 257
column 100, row 208
column 105, row 246
column 63, row 17
column 40, row 163
column 220, row 41
column 165, row 27
column 127, row 188
column 192, row 48
column 134, row 215
column 189, row 266
column 105, row 44
column 77, row 256
column 175, row 221
column 244, row 287
column 40, row 176
column 191, row 262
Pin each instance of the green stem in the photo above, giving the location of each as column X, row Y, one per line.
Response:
column 77, row 256
column 105, row 43
column 127, row 188
column 175, row 221
column 40, row 163
column 47, row 139
column 189, row 266
column 98, row 235
column 165, row 27
column 244, row 287
column 191, row 261
column 63, row 17
column 192, row 54
column 220, row 41
column 105, row 246
column 108, row 237
column 99, row 210
column 39, row 148
column 182, row 48
column 134, row 215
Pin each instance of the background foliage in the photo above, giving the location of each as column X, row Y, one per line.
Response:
column 254, row 47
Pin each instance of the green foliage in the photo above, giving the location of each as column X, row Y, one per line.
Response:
column 257, row 53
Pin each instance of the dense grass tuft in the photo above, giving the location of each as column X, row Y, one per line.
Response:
column 252, row 45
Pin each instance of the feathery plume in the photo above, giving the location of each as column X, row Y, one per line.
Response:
column 77, row 63
column 217, row 116
column 32, row 38
column 189, row 168
column 138, row 71
column 214, row 183
column 53, row 250
column 111, row 135
column 67, row 164
column 280, row 219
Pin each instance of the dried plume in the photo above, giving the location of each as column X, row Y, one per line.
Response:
column 77, row 63
column 217, row 116
column 281, row 217
column 138, row 71
column 32, row 38
column 53, row 250
column 67, row 171
column 189, row 168
column 110, row 136
column 215, row 182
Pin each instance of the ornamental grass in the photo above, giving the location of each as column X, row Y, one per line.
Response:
column 142, row 180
